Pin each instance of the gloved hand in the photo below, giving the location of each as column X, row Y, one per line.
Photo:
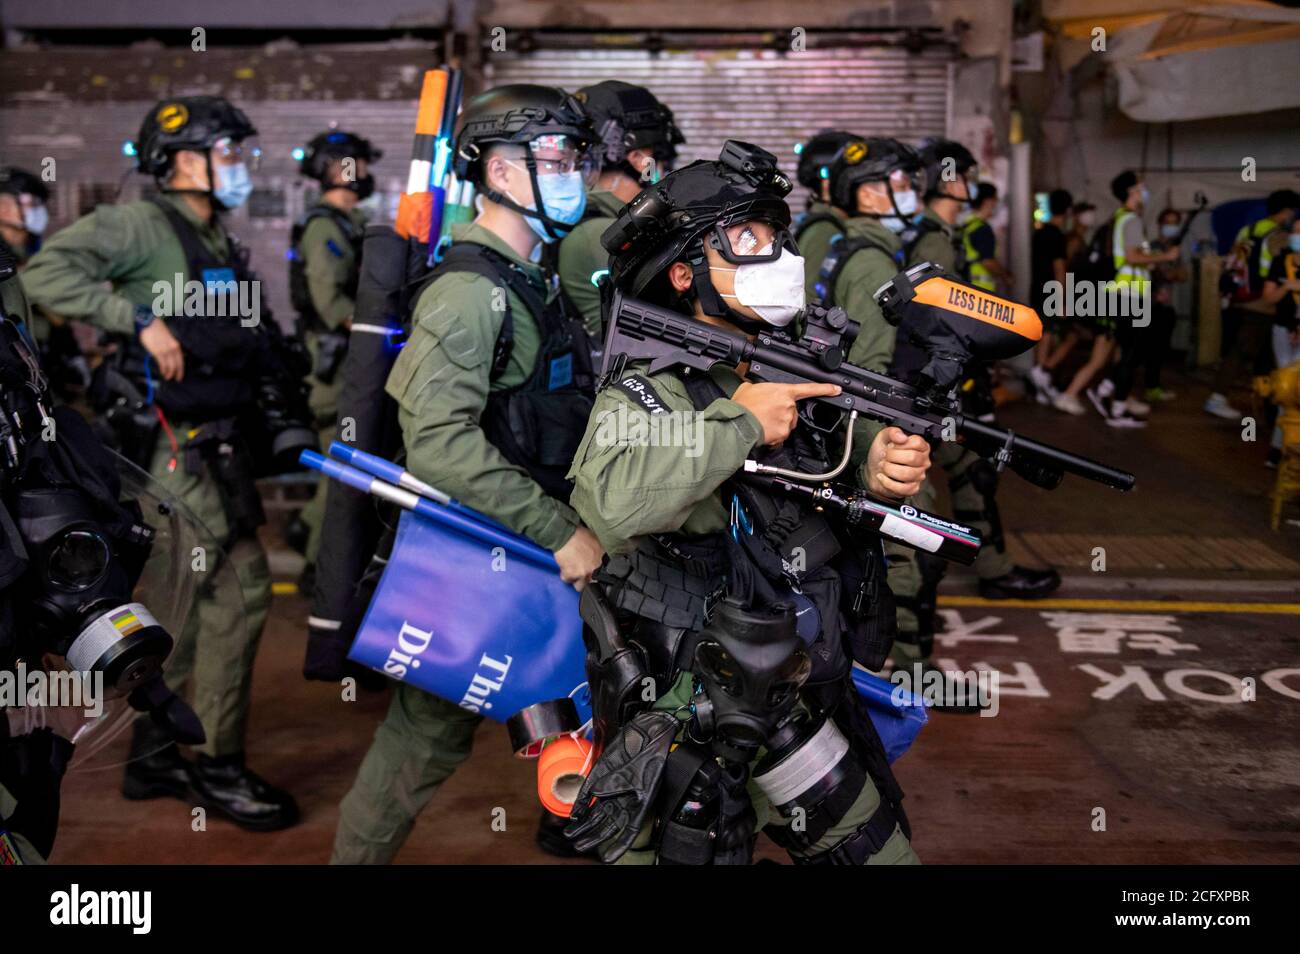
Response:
column 613, row 803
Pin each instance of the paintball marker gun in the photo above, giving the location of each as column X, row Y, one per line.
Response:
column 954, row 322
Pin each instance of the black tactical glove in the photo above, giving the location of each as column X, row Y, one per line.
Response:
column 613, row 803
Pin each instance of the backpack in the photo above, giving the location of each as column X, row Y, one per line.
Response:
column 1095, row 262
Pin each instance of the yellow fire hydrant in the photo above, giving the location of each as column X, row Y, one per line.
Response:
column 1282, row 387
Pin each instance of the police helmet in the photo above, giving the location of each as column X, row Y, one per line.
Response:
column 627, row 117
column 816, row 155
column 15, row 181
column 518, row 113
column 945, row 160
column 868, row 160
column 671, row 220
column 187, row 122
column 332, row 145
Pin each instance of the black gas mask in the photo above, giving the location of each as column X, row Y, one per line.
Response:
column 749, row 666
column 73, row 550
column 79, row 602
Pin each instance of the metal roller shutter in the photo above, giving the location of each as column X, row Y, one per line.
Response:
column 763, row 97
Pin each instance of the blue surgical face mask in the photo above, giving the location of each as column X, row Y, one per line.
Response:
column 234, row 185
column 36, row 219
column 1146, row 195
column 1169, row 231
column 1294, row 241
column 563, row 197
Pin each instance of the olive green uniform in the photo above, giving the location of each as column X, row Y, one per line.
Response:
column 861, row 276
column 441, row 385
column 815, row 242
column 131, row 247
column 581, row 254
column 628, row 490
column 330, row 264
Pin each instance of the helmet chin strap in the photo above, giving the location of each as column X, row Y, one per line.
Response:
column 554, row 228
column 211, row 195
column 711, row 302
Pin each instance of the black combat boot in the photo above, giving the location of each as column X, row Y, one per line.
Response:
column 1021, row 583
column 156, row 768
column 226, row 786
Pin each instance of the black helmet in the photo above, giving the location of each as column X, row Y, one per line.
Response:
column 670, row 220
column 816, row 155
column 627, row 117
column 518, row 113
column 334, row 144
column 868, row 160
column 186, row 122
column 15, row 181
column 943, row 159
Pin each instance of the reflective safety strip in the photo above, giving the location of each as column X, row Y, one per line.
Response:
column 1124, row 272
column 317, row 622
column 375, row 329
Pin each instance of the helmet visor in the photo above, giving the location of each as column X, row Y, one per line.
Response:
column 230, row 152
column 557, row 154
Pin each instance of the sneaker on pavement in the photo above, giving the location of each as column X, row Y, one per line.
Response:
column 1106, row 388
column 1135, row 407
column 1218, row 405
column 1040, row 378
column 1069, row 404
column 1125, row 420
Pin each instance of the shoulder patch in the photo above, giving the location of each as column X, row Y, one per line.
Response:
column 642, row 393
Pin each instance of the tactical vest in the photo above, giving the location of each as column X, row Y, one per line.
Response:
column 537, row 425
column 843, row 248
column 778, row 548
column 223, row 357
column 299, row 293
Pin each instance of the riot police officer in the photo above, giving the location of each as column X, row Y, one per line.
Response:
column 951, row 177
column 493, row 392
column 196, row 375
column 706, row 569
column 636, row 143
column 324, row 266
column 24, row 215
column 821, row 221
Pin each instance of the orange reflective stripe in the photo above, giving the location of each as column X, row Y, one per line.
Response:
column 993, row 310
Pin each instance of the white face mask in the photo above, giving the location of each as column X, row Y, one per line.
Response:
column 774, row 290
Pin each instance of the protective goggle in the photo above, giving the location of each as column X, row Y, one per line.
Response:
column 903, row 180
column 560, row 154
column 232, row 152
column 744, row 248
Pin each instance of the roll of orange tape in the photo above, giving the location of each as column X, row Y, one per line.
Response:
column 561, row 770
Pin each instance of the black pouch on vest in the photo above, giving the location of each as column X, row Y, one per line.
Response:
column 218, row 445
column 869, row 608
